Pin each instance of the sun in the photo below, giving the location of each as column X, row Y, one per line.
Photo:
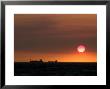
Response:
column 81, row 48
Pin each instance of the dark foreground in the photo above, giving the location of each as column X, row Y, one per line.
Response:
column 55, row 69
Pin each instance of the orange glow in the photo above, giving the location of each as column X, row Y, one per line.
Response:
column 85, row 57
column 72, row 57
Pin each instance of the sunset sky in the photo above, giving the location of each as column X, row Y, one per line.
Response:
column 55, row 37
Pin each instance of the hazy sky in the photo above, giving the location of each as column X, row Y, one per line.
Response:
column 55, row 37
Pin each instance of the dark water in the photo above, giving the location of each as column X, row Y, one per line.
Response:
column 55, row 69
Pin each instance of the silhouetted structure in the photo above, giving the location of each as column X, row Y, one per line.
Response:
column 40, row 61
column 56, row 61
column 52, row 61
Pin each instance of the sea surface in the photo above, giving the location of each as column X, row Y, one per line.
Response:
column 55, row 69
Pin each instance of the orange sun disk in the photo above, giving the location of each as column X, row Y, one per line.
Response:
column 81, row 48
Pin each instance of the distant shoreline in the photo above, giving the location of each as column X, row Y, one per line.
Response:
column 59, row 62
